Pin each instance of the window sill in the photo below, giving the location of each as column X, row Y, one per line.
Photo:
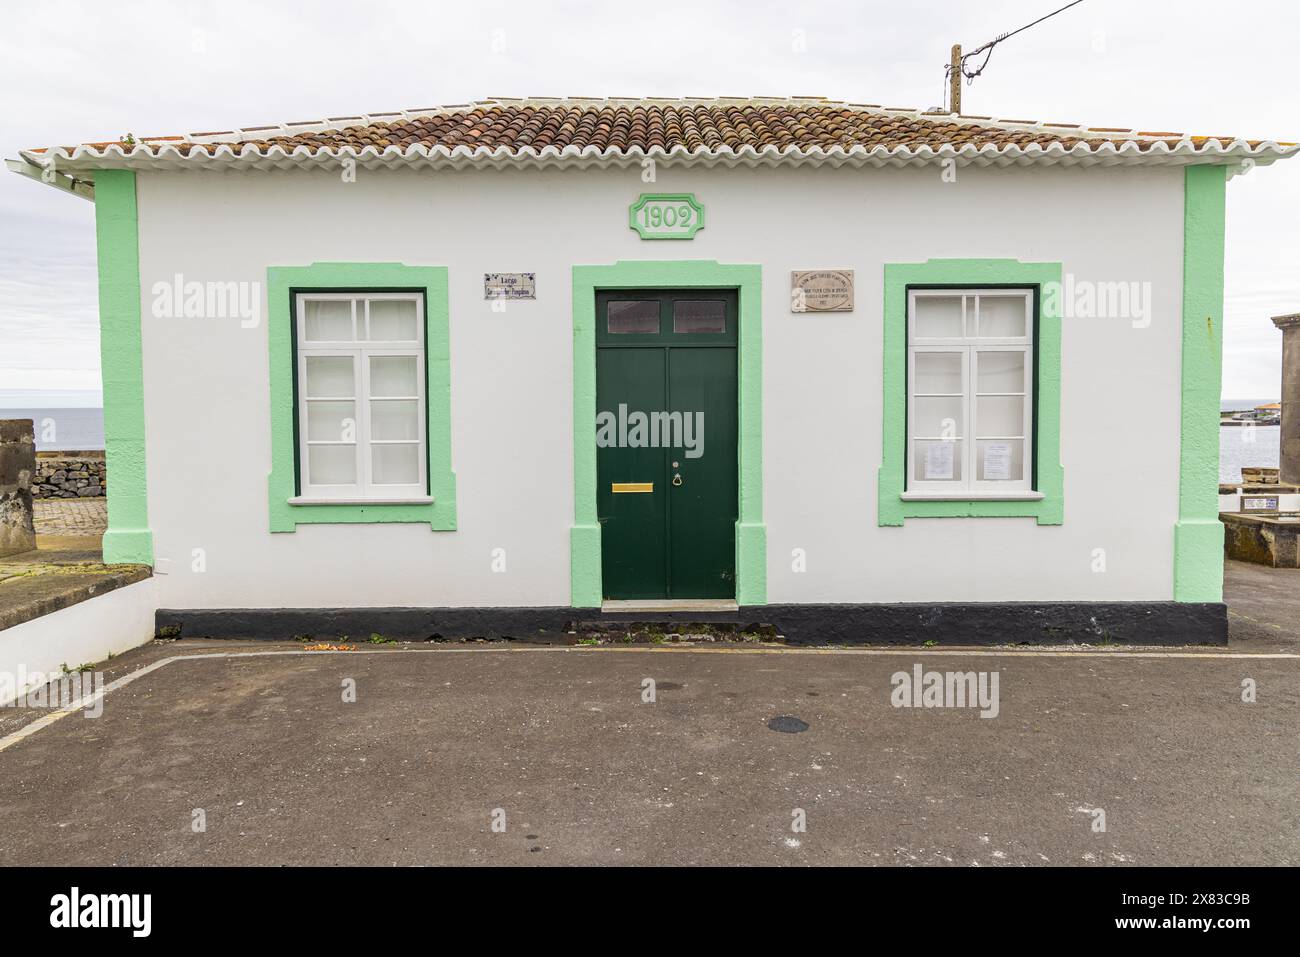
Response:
column 1024, row 496
column 305, row 500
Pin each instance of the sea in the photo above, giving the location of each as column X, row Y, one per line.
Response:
column 1239, row 446
column 62, row 421
column 74, row 420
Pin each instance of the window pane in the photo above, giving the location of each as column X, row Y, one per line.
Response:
column 938, row 461
column 699, row 316
column 393, row 375
column 1000, row 372
column 328, row 320
column 1001, row 316
column 332, row 465
column 999, row 415
column 937, row 372
column 390, row 419
column 937, row 317
column 1000, row 461
column 639, row 316
column 331, row 422
column 329, row 377
column 393, row 320
column 937, row 417
column 395, row 464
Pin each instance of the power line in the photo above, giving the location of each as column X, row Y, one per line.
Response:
column 987, row 49
column 998, row 39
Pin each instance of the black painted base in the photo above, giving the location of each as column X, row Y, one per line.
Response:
column 1049, row 623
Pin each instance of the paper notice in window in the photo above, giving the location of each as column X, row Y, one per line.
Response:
column 938, row 460
column 997, row 461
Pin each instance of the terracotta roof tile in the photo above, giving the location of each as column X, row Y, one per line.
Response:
column 667, row 125
column 621, row 125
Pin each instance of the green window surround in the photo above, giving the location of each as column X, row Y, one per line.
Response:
column 282, row 283
column 1198, row 535
column 751, row 532
column 892, row 508
column 128, row 539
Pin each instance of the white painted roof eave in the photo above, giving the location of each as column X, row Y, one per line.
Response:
column 246, row 156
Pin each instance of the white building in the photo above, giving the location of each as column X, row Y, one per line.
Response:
column 492, row 368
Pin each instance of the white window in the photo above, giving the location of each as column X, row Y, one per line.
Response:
column 970, row 356
column 361, row 397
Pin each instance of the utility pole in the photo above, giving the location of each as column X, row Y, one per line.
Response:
column 954, row 80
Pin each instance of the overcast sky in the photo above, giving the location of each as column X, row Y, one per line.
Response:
column 87, row 71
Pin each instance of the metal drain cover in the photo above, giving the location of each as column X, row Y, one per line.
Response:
column 787, row 724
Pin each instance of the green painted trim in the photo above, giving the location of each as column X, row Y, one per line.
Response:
column 280, row 283
column 751, row 532
column 128, row 539
column 891, row 508
column 645, row 231
column 1198, row 535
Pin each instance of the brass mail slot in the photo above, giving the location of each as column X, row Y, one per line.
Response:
column 622, row 487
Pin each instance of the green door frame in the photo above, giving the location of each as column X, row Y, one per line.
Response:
column 751, row 532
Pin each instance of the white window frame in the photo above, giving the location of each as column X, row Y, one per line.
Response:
column 361, row 350
column 969, row 345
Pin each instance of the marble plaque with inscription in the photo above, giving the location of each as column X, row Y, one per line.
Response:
column 821, row 290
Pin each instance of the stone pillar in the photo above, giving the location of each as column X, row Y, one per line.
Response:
column 1290, row 454
column 17, row 469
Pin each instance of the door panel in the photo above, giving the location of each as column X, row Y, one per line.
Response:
column 633, row 540
column 666, row 462
column 702, row 509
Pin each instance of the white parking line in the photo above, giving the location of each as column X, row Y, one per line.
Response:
column 45, row 721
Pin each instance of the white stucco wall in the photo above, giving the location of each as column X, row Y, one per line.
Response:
column 207, row 414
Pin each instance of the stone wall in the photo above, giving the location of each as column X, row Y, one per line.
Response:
column 69, row 475
column 17, row 469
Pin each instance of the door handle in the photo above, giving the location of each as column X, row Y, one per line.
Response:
column 677, row 479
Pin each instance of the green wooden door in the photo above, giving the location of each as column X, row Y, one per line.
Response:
column 666, row 463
